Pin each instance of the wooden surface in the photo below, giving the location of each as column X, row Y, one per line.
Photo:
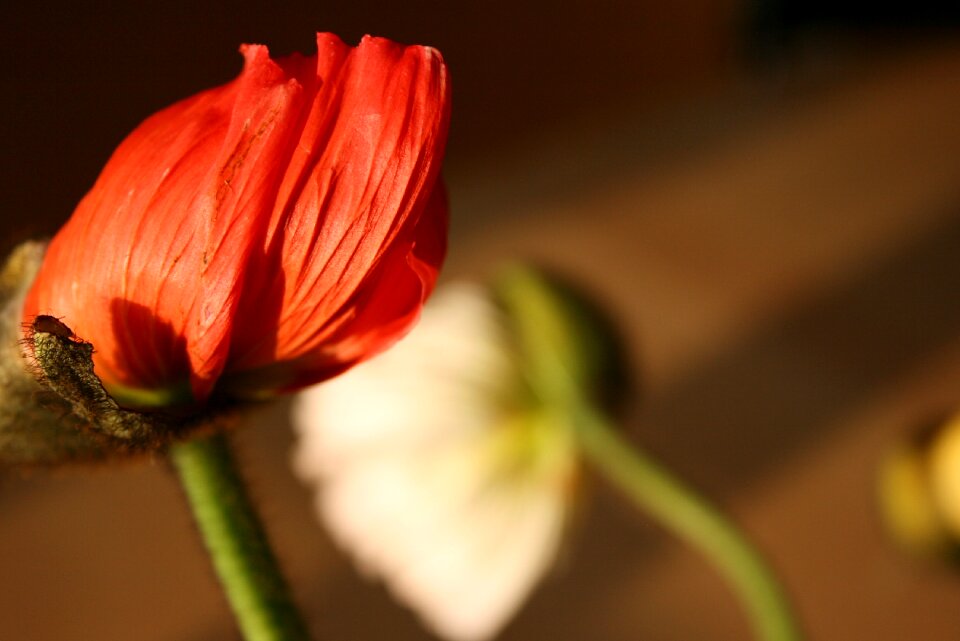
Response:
column 785, row 264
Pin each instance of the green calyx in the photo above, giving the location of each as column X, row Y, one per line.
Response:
column 570, row 353
column 178, row 395
column 569, row 359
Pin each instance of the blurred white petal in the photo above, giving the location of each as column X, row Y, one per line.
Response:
column 436, row 471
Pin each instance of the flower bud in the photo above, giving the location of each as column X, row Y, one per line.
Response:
column 262, row 235
column 919, row 491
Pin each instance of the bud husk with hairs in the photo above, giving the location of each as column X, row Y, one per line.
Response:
column 53, row 408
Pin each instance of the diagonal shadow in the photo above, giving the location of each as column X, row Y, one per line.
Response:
column 740, row 415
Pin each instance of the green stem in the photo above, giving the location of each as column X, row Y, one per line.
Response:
column 562, row 366
column 695, row 520
column 236, row 541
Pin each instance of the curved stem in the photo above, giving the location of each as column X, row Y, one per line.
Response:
column 562, row 365
column 236, row 541
column 695, row 520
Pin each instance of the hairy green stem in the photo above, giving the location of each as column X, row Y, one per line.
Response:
column 236, row 541
column 694, row 519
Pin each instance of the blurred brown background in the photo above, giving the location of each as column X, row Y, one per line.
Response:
column 766, row 194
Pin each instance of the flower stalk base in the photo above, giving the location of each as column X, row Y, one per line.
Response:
column 54, row 409
column 236, row 541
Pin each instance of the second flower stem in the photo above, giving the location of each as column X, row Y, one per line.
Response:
column 236, row 541
column 695, row 520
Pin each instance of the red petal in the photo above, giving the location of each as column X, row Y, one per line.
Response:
column 367, row 188
column 150, row 265
column 259, row 221
column 235, row 211
column 380, row 313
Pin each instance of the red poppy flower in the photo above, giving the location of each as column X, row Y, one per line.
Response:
column 265, row 234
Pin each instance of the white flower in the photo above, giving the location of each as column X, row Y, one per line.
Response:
column 437, row 470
